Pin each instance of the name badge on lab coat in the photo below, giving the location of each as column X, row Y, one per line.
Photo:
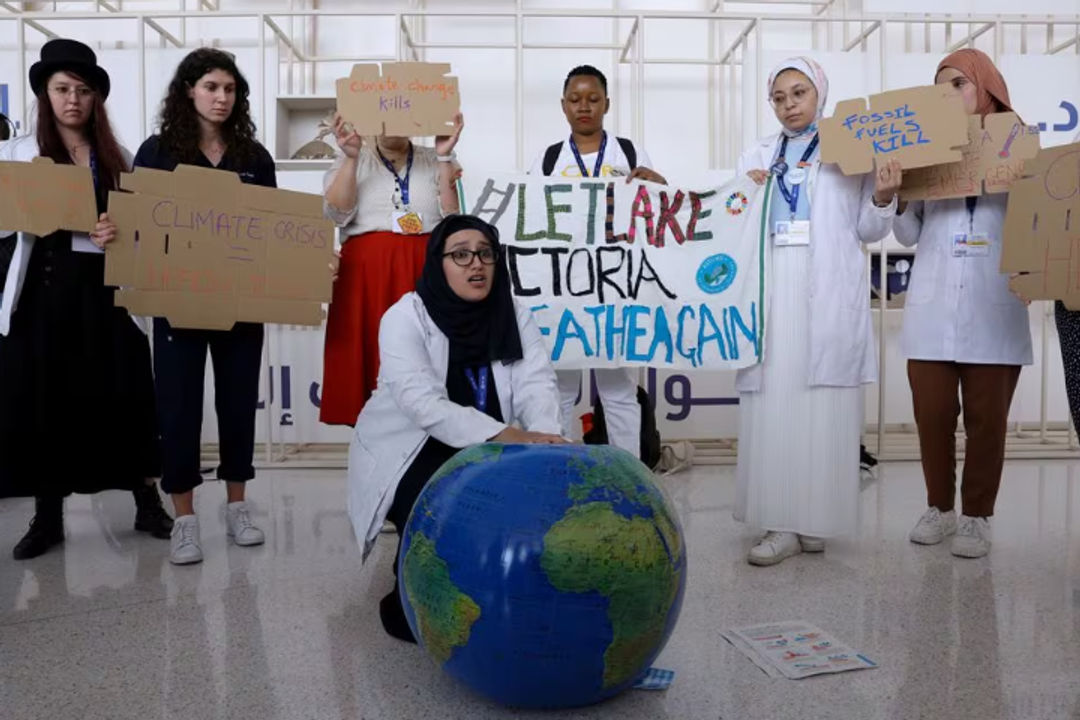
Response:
column 791, row 232
column 971, row 245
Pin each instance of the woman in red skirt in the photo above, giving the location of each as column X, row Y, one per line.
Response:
column 386, row 194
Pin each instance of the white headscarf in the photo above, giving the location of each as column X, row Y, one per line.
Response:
column 817, row 77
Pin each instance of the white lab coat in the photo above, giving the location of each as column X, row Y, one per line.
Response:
column 842, row 217
column 960, row 309
column 410, row 405
column 25, row 149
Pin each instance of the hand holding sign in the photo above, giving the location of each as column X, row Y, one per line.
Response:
column 346, row 136
column 405, row 99
column 887, row 180
column 445, row 144
column 104, row 232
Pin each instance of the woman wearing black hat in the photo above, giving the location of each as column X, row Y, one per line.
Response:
column 206, row 121
column 77, row 400
column 459, row 361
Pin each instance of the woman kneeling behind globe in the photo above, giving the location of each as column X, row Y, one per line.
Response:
column 459, row 361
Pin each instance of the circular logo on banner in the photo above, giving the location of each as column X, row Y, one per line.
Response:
column 736, row 203
column 716, row 273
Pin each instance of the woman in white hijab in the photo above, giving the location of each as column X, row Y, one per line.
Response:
column 801, row 408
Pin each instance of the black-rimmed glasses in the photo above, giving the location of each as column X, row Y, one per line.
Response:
column 463, row 257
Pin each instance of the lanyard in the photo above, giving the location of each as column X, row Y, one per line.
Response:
column 780, row 168
column 971, row 201
column 402, row 182
column 94, row 171
column 599, row 157
column 479, row 383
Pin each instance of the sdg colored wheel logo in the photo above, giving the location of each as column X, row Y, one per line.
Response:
column 717, row 273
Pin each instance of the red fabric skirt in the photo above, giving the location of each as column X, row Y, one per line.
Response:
column 376, row 269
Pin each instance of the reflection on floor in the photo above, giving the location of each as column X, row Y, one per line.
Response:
column 106, row 628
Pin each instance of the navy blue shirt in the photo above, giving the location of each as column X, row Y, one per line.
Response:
column 259, row 171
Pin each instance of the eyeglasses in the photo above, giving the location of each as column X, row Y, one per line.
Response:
column 798, row 95
column 464, row 257
column 82, row 92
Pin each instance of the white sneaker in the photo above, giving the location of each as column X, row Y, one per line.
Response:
column 774, row 547
column 972, row 537
column 933, row 526
column 812, row 544
column 238, row 525
column 185, row 548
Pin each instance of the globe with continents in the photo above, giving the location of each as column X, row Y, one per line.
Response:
column 543, row 576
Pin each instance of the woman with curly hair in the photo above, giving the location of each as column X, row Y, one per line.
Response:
column 206, row 121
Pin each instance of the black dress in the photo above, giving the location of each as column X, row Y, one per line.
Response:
column 76, row 389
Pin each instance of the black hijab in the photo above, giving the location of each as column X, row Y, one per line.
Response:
column 479, row 332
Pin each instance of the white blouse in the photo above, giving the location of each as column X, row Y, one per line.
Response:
column 376, row 189
column 959, row 307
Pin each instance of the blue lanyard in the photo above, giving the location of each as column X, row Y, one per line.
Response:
column 780, row 168
column 599, row 157
column 94, row 170
column 402, row 182
column 479, row 383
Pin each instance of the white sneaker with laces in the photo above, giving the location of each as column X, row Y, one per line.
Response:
column 933, row 526
column 238, row 525
column 972, row 537
column 774, row 548
column 812, row 544
column 185, row 549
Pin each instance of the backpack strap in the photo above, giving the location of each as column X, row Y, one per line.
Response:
column 629, row 151
column 551, row 156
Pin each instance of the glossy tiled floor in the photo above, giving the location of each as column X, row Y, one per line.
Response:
column 106, row 628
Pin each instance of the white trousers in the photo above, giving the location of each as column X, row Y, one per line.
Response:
column 617, row 388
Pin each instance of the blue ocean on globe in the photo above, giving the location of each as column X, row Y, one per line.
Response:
column 543, row 576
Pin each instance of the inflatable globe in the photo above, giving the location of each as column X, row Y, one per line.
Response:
column 543, row 576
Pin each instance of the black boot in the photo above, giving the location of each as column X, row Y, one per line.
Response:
column 150, row 516
column 46, row 529
column 866, row 460
column 393, row 617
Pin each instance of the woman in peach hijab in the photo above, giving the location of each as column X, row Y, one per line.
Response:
column 965, row 334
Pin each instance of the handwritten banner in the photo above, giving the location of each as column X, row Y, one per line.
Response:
column 995, row 157
column 635, row 274
column 41, row 197
column 205, row 251
column 1041, row 241
column 408, row 99
column 918, row 126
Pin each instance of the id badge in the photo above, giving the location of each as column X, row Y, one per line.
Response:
column 971, row 246
column 407, row 222
column 791, row 232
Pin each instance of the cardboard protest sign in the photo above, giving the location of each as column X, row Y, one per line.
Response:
column 993, row 158
column 41, row 197
column 1042, row 228
column 406, row 99
column 204, row 250
column 633, row 274
column 918, row 126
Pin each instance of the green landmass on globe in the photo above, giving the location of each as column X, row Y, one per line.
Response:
column 595, row 548
column 446, row 615
column 618, row 540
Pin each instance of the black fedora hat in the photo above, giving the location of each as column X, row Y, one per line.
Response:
column 64, row 54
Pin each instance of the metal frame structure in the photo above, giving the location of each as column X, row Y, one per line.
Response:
column 735, row 41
